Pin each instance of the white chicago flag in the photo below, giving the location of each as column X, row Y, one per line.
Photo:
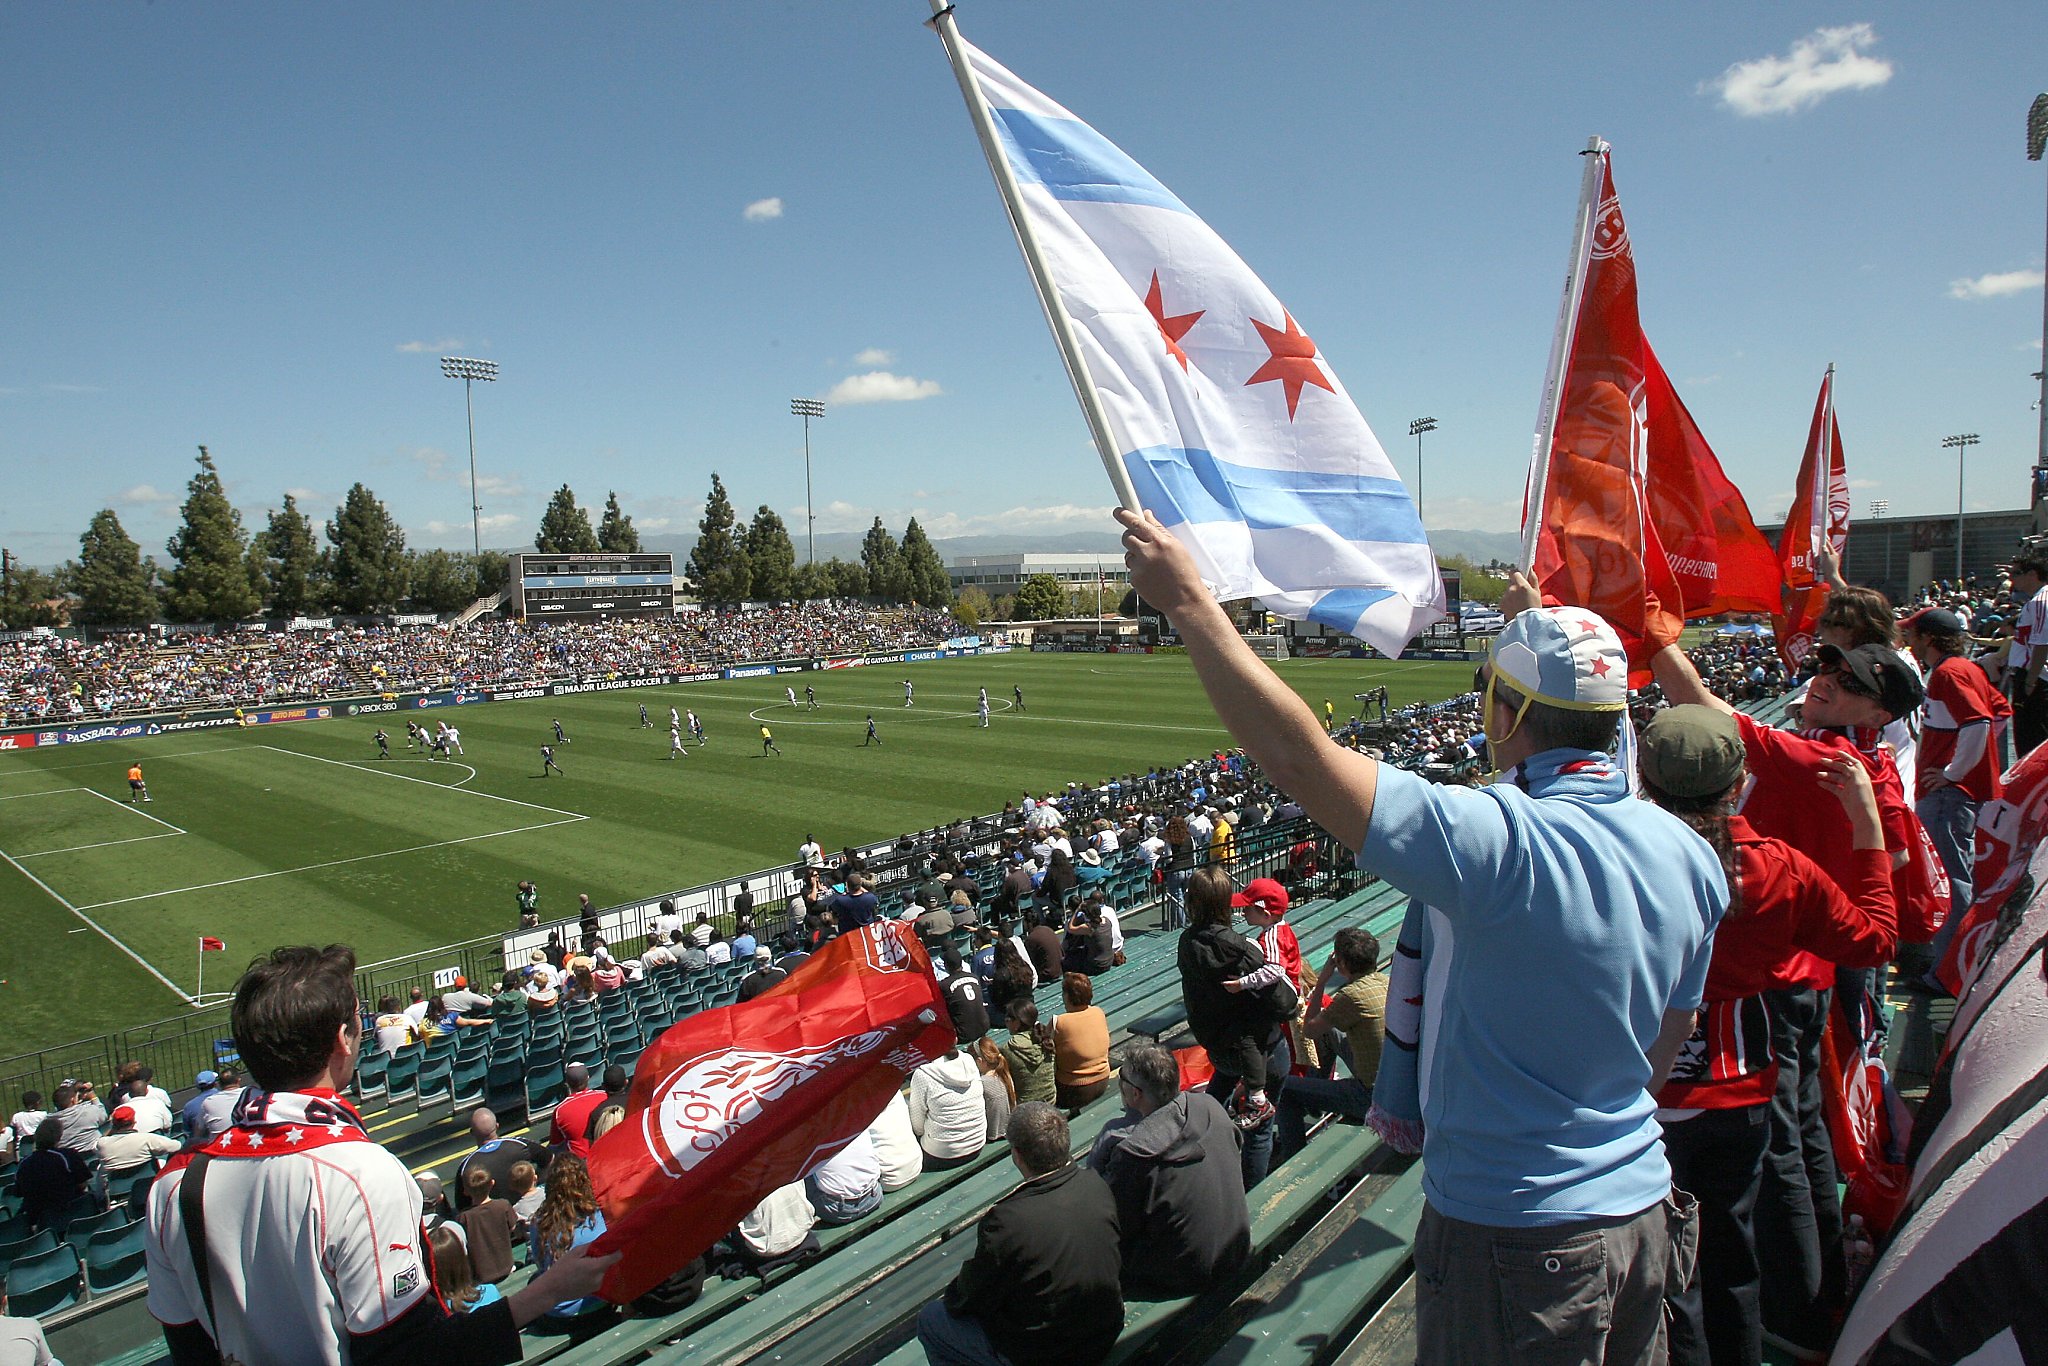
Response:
column 1231, row 427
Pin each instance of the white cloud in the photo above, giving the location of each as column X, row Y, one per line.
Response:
column 439, row 466
column 73, row 389
column 1995, row 284
column 1823, row 63
column 445, row 346
column 761, row 210
column 143, row 495
column 879, row 386
column 873, row 356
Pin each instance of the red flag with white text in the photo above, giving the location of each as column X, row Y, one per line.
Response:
column 730, row 1104
column 1819, row 516
column 1721, row 561
column 1597, row 546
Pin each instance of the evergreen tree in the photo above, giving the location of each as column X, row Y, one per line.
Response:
column 718, row 562
column 289, row 555
column 565, row 527
column 114, row 584
column 807, row 582
column 884, row 562
column 615, row 531
column 28, row 597
column 843, row 579
column 493, row 572
column 1041, row 599
column 771, row 557
column 369, row 564
column 211, row 578
column 441, row 582
column 924, row 573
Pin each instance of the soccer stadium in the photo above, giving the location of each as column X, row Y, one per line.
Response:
column 1205, row 889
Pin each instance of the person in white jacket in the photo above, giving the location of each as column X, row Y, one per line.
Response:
column 896, row 1144
column 946, row 1110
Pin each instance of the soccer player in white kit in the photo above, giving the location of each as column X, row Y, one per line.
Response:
column 790, row 693
column 675, row 743
column 454, row 738
column 909, row 692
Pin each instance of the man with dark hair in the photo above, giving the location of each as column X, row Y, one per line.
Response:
column 294, row 1237
column 1358, row 1011
column 572, row 1116
column 1538, row 1130
column 1041, row 1288
column 1174, row 1166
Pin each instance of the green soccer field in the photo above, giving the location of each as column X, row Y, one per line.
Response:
column 293, row 833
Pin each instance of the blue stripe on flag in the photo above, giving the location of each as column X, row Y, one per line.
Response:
column 1341, row 608
column 1182, row 485
column 1073, row 161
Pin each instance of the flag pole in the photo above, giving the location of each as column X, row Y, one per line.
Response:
column 199, row 996
column 1595, row 153
column 1818, row 513
column 1034, row 260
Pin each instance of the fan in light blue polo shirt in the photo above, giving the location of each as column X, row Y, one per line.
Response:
column 1560, row 919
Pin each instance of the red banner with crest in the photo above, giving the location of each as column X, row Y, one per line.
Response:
column 1819, row 516
column 731, row 1104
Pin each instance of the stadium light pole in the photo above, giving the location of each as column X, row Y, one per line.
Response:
column 1416, row 429
column 2037, row 143
column 1879, row 507
column 469, row 370
column 1961, row 446
column 808, row 408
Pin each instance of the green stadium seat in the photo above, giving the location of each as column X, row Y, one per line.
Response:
column 544, row 1087
column 467, row 1082
column 505, row 1086
column 401, row 1075
column 435, row 1085
column 370, row 1069
column 131, row 1191
column 81, row 1231
column 44, row 1282
column 42, row 1240
column 624, row 1051
column 14, row 1228
column 114, row 1257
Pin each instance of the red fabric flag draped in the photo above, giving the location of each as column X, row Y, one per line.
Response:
column 208, row 944
column 730, row 1104
column 1721, row 561
column 1820, row 509
column 1597, row 546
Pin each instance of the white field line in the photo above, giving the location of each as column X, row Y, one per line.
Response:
column 373, row 765
column 100, row 929
column 52, row 792
column 370, row 767
column 569, row 819
column 60, row 768
column 130, row 807
column 103, row 844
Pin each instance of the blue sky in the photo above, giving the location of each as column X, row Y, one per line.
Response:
column 257, row 227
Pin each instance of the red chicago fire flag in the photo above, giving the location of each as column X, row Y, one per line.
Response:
column 1596, row 545
column 731, row 1104
column 1819, row 516
column 1721, row 561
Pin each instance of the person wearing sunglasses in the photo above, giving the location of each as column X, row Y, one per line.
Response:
column 1563, row 930
column 1853, row 696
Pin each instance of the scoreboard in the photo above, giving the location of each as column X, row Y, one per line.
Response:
column 600, row 584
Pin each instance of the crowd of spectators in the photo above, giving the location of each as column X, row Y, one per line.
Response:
column 53, row 678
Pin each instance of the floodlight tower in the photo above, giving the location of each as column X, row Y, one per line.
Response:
column 1879, row 507
column 2037, row 142
column 1416, row 429
column 1961, row 446
column 808, row 408
column 469, row 370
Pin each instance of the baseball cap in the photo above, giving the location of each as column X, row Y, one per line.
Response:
column 1690, row 751
column 206, row 1078
column 1936, row 621
column 1565, row 656
column 1263, row 892
column 124, row 1114
column 764, row 954
column 1879, row 673
column 461, row 980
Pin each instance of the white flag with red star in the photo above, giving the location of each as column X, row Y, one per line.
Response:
column 1233, row 428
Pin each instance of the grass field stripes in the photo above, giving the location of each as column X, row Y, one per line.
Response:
column 25, row 827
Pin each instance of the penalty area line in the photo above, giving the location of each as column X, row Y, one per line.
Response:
column 368, row 767
column 102, row 931
column 311, row 867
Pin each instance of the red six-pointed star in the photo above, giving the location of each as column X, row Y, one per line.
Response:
column 1293, row 361
column 1170, row 329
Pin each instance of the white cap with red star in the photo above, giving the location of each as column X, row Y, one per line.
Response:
column 1565, row 656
